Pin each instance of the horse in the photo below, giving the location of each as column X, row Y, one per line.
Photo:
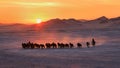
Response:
column 54, row 45
column 48, row 45
column 79, row 45
column 42, row 46
column 88, row 44
column 71, row 45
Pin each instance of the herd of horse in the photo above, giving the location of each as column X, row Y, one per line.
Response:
column 31, row 45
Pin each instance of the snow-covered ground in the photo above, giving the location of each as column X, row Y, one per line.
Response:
column 106, row 54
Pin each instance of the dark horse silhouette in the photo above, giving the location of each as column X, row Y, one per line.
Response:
column 42, row 46
column 54, row 45
column 88, row 44
column 60, row 45
column 66, row 45
column 24, row 45
column 71, row 45
column 48, row 45
column 79, row 45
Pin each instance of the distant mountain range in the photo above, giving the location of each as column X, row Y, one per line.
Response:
column 99, row 20
column 68, row 24
column 72, row 21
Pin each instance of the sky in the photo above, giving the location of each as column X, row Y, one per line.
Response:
column 28, row 11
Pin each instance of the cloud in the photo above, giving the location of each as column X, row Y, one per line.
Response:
column 30, row 4
column 40, row 4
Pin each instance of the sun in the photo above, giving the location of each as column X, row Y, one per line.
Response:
column 38, row 20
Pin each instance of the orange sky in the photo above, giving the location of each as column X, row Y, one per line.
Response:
column 27, row 11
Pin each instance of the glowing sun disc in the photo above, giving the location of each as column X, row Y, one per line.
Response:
column 38, row 20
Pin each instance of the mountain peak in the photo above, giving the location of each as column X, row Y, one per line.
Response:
column 102, row 18
column 71, row 20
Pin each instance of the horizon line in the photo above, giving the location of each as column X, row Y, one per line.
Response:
column 58, row 18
